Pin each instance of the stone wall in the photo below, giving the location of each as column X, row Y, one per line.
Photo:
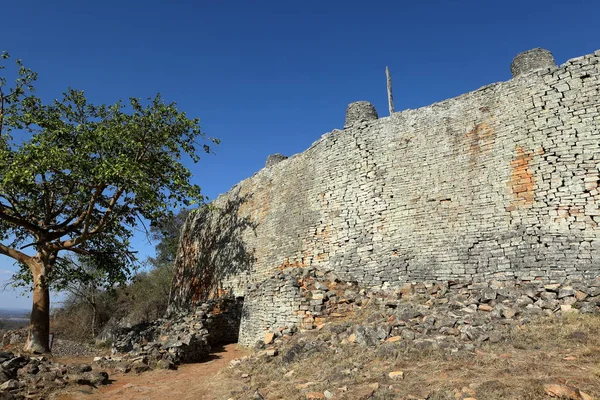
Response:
column 500, row 183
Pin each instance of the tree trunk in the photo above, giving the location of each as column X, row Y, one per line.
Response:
column 39, row 325
column 94, row 312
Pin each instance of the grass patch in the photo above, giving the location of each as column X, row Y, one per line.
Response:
column 549, row 350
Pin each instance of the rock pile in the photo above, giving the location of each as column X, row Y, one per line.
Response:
column 433, row 314
column 361, row 337
column 33, row 377
column 183, row 336
column 14, row 336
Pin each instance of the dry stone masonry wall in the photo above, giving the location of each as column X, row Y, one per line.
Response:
column 501, row 183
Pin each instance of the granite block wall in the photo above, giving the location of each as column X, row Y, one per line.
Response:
column 500, row 183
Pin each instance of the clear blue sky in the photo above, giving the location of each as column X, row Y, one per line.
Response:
column 273, row 76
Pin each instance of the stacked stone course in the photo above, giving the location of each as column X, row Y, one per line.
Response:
column 502, row 183
column 424, row 313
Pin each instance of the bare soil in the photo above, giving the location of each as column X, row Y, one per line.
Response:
column 199, row 381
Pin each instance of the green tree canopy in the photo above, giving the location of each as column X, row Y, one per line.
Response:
column 78, row 177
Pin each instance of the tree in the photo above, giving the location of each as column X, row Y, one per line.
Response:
column 167, row 233
column 78, row 177
column 84, row 281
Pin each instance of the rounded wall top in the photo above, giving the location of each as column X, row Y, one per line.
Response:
column 531, row 60
column 360, row 111
column 274, row 159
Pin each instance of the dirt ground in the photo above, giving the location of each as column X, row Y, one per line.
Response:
column 201, row 381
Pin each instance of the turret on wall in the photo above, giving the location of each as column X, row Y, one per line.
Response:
column 359, row 111
column 532, row 60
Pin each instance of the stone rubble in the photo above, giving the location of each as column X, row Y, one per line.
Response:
column 22, row 376
column 337, row 317
column 447, row 315
column 182, row 337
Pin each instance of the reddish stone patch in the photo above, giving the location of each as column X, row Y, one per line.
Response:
column 522, row 180
column 480, row 140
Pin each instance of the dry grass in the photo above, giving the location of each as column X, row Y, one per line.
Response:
column 550, row 350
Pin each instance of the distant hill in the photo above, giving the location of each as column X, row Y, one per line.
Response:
column 13, row 318
column 14, row 313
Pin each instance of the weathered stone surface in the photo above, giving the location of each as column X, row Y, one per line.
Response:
column 274, row 159
column 532, row 60
column 360, row 111
column 500, row 184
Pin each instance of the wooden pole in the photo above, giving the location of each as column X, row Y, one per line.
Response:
column 389, row 90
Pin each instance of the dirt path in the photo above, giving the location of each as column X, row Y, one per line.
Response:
column 201, row 381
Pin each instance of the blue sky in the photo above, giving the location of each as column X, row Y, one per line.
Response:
column 273, row 76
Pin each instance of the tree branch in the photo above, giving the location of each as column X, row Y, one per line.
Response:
column 1, row 110
column 109, row 210
column 84, row 215
column 15, row 254
column 19, row 221
column 71, row 243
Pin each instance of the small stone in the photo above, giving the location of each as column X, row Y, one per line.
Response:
column 10, row 384
column 289, row 374
column 548, row 296
column 569, row 300
column 580, row 296
column 552, row 287
column 271, row 352
column 567, row 308
column 509, row 313
column 488, row 294
column 165, row 364
column 396, row 375
column 565, row 392
column 408, row 334
column 566, row 292
column 485, row 307
column 406, row 290
column 495, row 337
column 392, row 339
column 328, row 395
column 269, row 337
column 315, row 395
column 301, row 386
column 97, row 378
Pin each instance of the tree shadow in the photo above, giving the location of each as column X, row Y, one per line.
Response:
column 211, row 250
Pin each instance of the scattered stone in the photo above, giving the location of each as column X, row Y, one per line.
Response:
column 396, row 375
column 271, row 352
column 269, row 337
column 568, row 308
column 565, row 392
column 552, row 287
column 35, row 377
